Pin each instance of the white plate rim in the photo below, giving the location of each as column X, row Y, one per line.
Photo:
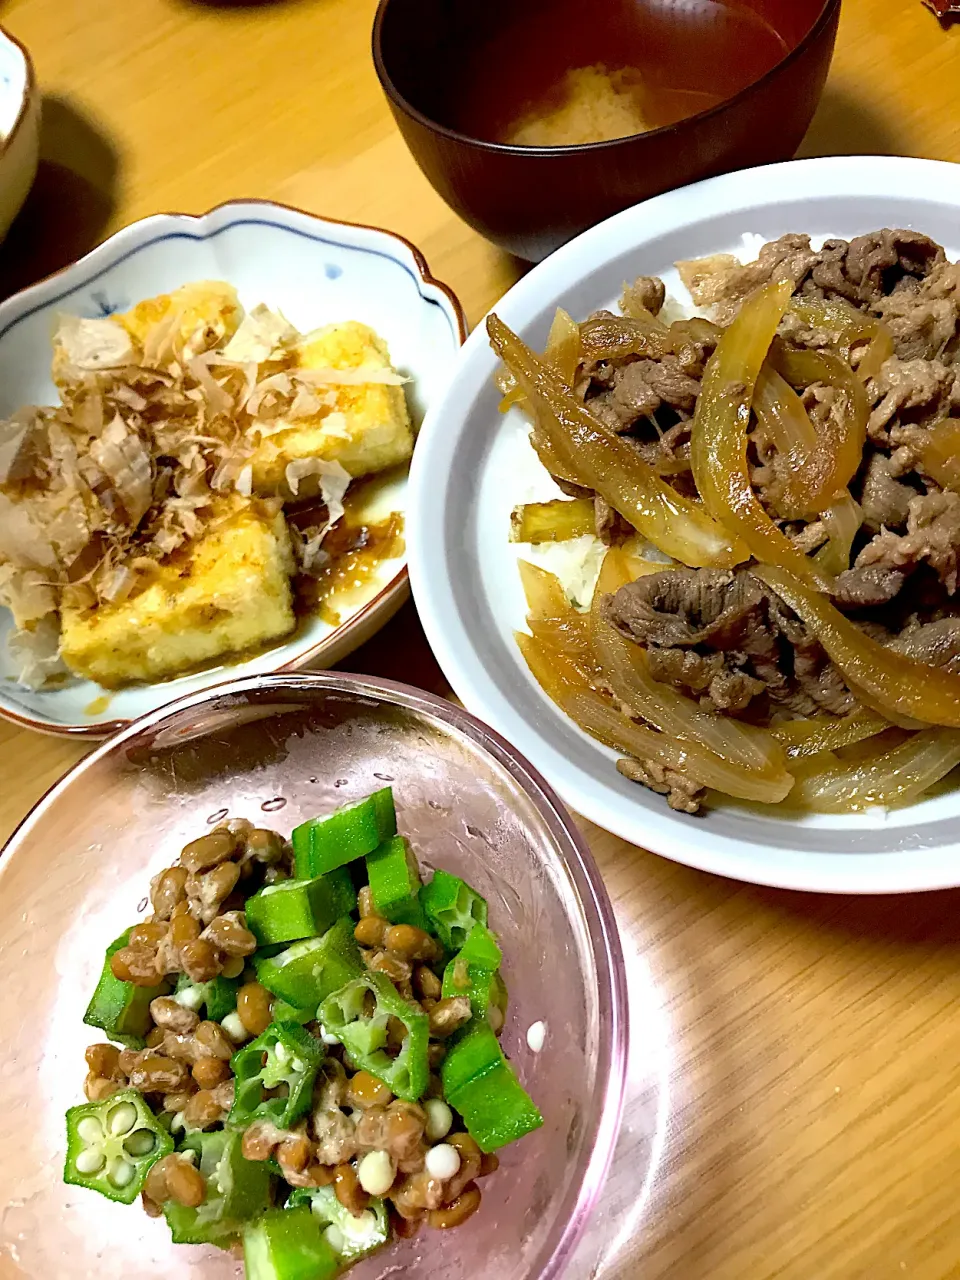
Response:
column 664, row 834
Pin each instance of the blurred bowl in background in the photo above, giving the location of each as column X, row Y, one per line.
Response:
column 732, row 85
column 19, row 128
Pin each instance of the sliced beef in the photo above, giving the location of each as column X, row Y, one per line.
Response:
column 870, row 267
column 684, row 607
column 807, row 537
column 674, row 387
column 631, row 396
column 682, row 793
column 799, row 333
column 817, row 685
column 863, row 271
column 924, row 320
column 675, row 441
column 647, row 291
column 668, row 452
column 604, row 519
column 881, row 262
column 936, row 643
column 866, row 588
column 884, row 501
column 828, row 276
column 609, row 525
column 639, row 388
column 705, row 674
column 802, row 677
column 921, row 388
column 721, row 283
column 922, row 328
column 932, row 537
column 726, row 638
column 699, row 340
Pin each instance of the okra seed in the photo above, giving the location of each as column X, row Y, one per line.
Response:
column 536, row 1036
column 190, row 998
column 296, row 1064
column 280, row 1052
column 90, row 1161
column 357, row 1227
column 333, row 1235
column 235, row 1028
column 122, row 1118
column 376, row 1173
column 326, row 1037
column 121, row 1173
column 443, row 1162
column 439, row 1119
column 90, row 1129
column 140, row 1143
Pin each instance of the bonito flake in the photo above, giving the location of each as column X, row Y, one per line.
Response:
column 161, row 412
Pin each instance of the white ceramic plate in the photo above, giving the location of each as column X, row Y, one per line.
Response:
column 472, row 466
column 315, row 271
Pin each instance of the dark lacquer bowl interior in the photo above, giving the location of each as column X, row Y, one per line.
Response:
column 277, row 749
column 446, row 65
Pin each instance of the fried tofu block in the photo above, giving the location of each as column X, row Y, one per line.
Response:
column 366, row 430
column 210, row 307
column 229, row 593
column 201, row 316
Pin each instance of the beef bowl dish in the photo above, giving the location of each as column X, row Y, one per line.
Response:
column 746, row 583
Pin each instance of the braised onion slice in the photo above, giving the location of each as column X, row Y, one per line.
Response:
column 718, row 442
column 552, row 618
column 780, row 413
column 818, row 462
column 843, row 434
column 555, row 521
column 940, row 454
column 610, row 337
column 565, row 685
column 809, row 737
column 842, row 522
column 895, row 684
column 562, row 352
column 563, row 657
column 543, row 590
column 602, row 461
column 887, row 778
column 602, row 721
column 849, row 327
column 623, row 666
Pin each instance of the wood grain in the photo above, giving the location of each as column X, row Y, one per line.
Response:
column 814, row 1040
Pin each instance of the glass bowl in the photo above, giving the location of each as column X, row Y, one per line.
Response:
column 278, row 749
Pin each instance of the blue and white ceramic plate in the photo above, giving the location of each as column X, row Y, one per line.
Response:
column 313, row 270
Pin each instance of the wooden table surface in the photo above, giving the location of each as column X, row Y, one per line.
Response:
column 815, row 1127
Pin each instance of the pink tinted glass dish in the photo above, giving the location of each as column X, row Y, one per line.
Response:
column 279, row 749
